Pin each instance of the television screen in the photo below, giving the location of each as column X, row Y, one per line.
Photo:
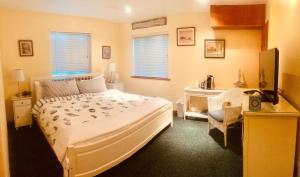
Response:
column 268, row 74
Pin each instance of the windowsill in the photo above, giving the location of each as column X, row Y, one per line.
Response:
column 69, row 74
column 153, row 78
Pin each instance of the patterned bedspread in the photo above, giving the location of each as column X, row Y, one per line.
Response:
column 73, row 119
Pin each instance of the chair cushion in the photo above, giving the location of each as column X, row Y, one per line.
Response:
column 217, row 114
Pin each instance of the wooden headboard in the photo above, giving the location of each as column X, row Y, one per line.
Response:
column 79, row 77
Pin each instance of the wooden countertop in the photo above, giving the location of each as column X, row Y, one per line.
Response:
column 281, row 109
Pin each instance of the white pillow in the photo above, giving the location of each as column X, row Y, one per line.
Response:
column 92, row 86
column 59, row 88
column 99, row 76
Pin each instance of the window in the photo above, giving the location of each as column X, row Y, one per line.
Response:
column 70, row 53
column 150, row 56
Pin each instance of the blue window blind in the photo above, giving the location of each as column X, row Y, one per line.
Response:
column 150, row 56
column 70, row 53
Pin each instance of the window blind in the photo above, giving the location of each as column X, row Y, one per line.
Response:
column 70, row 53
column 150, row 56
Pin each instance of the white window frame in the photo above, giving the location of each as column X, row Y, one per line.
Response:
column 89, row 53
column 133, row 75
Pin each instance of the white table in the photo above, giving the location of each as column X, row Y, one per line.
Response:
column 196, row 91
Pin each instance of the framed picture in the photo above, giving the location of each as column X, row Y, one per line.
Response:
column 214, row 48
column 186, row 36
column 25, row 48
column 106, row 52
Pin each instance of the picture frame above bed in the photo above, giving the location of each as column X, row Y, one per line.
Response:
column 25, row 48
column 106, row 52
column 186, row 36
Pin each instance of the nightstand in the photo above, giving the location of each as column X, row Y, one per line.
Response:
column 22, row 111
column 115, row 85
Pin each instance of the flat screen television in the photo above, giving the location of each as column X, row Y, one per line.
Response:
column 268, row 75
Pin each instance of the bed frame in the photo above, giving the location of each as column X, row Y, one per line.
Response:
column 95, row 156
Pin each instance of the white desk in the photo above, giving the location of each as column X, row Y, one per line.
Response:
column 196, row 91
column 269, row 136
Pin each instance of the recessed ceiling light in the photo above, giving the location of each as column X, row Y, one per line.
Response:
column 128, row 9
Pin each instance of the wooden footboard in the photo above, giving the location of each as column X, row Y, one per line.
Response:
column 95, row 157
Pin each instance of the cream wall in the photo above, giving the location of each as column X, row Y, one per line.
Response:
column 4, row 164
column 187, row 64
column 284, row 34
column 16, row 25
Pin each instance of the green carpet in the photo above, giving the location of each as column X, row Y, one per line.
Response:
column 186, row 150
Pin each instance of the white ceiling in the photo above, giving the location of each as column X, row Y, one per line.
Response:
column 114, row 10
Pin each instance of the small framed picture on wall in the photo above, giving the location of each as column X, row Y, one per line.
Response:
column 106, row 52
column 186, row 36
column 214, row 48
column 25, row 48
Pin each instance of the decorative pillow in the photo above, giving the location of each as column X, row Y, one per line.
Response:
column 92, row 86
column 58, row 88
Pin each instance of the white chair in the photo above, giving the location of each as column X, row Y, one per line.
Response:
column 225, row 109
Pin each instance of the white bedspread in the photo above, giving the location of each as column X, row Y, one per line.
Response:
column 69, row 120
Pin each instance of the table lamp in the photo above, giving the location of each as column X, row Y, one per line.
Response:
column 111, row 70
column 18, row 75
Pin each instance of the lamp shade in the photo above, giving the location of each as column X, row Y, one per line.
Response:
column 112, row 67
column 18, row 75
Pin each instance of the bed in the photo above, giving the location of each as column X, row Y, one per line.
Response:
column 92, row 132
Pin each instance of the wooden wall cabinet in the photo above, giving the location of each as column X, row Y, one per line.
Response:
column 237, row 16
